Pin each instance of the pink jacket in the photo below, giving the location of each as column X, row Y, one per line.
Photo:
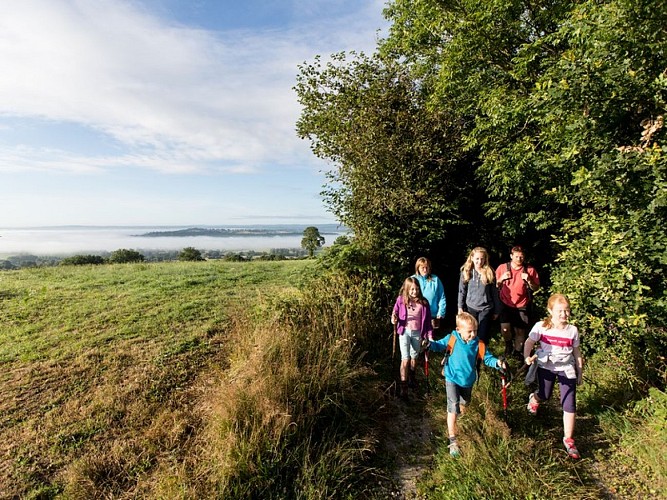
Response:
column 402, row 312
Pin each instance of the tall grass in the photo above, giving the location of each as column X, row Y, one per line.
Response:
column 623, row 443
column 105, row 370
column 290, row 418
column 184, row 380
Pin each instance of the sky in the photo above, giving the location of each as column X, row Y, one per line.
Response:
column 164, row 112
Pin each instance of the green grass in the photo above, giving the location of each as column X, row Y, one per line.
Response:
column 226, row 380
column 99, row 365
column 621, row 434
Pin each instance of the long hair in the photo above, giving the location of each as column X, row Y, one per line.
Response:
column 405, row 291
column 487, row 274
column 556, row 298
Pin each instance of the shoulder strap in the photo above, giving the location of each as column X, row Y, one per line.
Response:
column 481, row 350
column 509, row 267
column 450, row 343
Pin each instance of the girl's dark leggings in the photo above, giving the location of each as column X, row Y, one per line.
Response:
column 546, row 380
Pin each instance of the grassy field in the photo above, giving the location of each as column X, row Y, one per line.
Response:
column 101, row 367
column 230, row 380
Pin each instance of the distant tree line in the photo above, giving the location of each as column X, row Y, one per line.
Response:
column 126, row 256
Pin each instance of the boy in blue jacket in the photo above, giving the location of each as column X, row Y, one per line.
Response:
column 460, row 369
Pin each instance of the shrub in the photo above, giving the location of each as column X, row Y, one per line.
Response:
column 82, row 260
column 124, row 256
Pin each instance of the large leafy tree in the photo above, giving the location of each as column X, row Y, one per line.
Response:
column 549, row 111
column 399, row 178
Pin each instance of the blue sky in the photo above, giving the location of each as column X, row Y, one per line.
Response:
column 122, row 112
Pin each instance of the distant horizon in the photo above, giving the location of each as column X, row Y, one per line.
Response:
column 80, row 239
column 186, row 226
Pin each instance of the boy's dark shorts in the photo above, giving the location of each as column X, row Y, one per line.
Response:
column 518, row 318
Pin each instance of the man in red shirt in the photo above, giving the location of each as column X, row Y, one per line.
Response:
column 516, row 284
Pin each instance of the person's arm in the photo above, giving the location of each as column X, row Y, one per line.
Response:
column 427, row 325
column 531, row 278
column 502, row 275
column 439, row 345
column 579, row 360
column 442, row 303
column 463, row 293
column 495, row 299
column 527, row 349
column 394, row 313
column 492, row 362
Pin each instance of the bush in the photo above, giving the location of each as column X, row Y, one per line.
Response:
column 190, row 254
column 82, row 260
column 124, row 256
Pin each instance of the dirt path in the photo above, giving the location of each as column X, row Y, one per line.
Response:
column 410, row 438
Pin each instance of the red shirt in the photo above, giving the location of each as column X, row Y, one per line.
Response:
column 514, row 291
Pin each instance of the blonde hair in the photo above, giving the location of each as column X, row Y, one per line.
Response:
column 556, row 298
column 487, row 274
column 467, row 319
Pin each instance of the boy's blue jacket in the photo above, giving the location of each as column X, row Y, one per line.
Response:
column 461, row 367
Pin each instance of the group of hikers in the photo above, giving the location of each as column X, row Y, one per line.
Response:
column 485, row 296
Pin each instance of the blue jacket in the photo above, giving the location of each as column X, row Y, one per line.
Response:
column 434, row 292
column 461, row 367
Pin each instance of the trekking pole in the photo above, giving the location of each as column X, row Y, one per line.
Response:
column 504, row 376
column 428, row 385
column 393, row 344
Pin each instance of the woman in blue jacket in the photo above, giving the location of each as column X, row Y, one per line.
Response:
column 432, row 290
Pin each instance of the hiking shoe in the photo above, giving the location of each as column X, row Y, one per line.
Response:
column 571, row 448
column 454, row 450
column 533, row 404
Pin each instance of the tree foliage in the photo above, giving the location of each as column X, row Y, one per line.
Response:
column 400, row 180
column 124, row 256
column 312, row 239
column 487, row 122
column 190, row 254
column 82, row 260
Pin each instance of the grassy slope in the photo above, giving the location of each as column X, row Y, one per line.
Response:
column 623, row 445
column 100, row 364
column 110, row 376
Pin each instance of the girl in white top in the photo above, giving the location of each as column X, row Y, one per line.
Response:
column 558, row 357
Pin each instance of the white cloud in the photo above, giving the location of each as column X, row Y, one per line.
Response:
column 173, row 98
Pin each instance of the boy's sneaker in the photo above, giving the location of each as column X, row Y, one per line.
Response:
column 533, row 404
column 571, row 448
column 454, row 450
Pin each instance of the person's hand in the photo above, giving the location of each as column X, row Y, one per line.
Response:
column 394, row 319
column 502, row 365
column 530, row 359
column 524, row 277
column 425, row 344
column 506, row 275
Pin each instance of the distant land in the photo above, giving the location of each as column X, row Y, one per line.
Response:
column 233, row 232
